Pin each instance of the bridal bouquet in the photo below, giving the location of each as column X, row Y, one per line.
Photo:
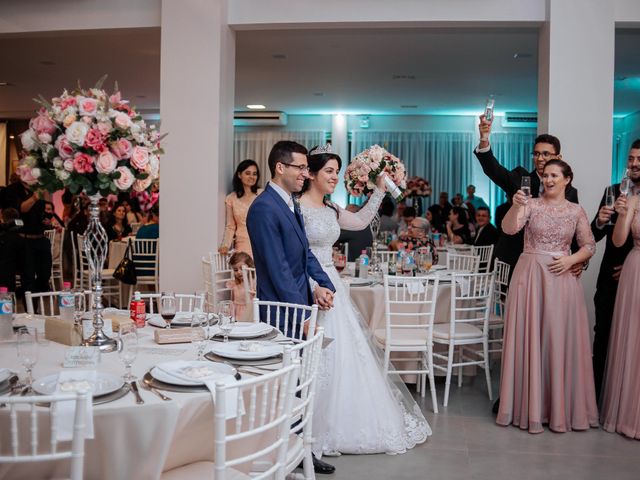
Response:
column 88, row 140
column 361, row 174
column 418, row 187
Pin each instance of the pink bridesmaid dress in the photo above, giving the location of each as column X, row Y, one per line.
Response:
column 620, row 410
column 547, row 375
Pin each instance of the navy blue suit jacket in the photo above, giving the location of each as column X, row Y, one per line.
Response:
column 281, row 252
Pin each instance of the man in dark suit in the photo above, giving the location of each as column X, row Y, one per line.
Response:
column 486, row 234
column 546, row 147
column 612, row 260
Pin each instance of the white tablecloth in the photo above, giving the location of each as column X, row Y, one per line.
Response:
column 131, row 441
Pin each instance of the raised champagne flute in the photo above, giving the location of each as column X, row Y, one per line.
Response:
column 168, row 307
column 610, row 200
column 525, row 186
column 625, row 184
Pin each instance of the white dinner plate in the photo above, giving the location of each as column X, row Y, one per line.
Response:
column 438, row 267
column 105, row 383
column 216, row 368
column 245, row 330
column 232, row 350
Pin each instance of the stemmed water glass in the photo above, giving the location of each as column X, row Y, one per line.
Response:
column 28, row 352
column 128, row 348
column 168, row 306
column 226, row 318
column 199, row 332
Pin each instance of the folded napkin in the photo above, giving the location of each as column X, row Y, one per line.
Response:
column 157, row 321
column 464, row 285
column 61, row 331
column 188, row 372
column 414, row 287
column 70, row 381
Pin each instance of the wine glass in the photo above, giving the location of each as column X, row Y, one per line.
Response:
column 610, row 200
column 225, row 318
column 340, row 261
column 168, row 307
column 199, row 332
column 28, row 352
column 525, row 186
column 128, row 348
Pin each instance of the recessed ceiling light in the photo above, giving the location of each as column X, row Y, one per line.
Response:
column 519, row 55
column 408, row 106
column 11, row 137
column 403, row 77
column 256, row 107
column 279, row 56
column 6, row 84
column 48, row 63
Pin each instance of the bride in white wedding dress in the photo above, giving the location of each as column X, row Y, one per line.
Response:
column 358, row 408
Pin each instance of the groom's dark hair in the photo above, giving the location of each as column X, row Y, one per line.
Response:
column 281, row 153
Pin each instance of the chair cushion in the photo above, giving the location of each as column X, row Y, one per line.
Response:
column 200, row 470
column 405, row 337
column 463, row 331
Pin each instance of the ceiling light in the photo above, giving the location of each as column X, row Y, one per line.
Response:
column 408, row 106
column 6, row 84
column 518, row 56
column 11, row 137
column 403, row 77
column 279, row 56
column 256, row 107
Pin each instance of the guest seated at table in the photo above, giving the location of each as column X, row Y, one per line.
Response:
column 238, row 293
column 358, row 239
column 486, row 234
column 149, row 231
column 458, row 226
column 387, row 221
column 457, row 200
column 416, row 236
column 51, row 220
column 408, row 215
column 132, row 206
column 440, row 212
column 117, row 226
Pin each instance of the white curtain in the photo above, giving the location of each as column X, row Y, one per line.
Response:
column 257, row 144
column 444, row 158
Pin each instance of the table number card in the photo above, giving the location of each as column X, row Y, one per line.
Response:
column 82, row 357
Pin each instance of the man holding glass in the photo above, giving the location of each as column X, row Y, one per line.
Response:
column 612, row 260
column 546, row 147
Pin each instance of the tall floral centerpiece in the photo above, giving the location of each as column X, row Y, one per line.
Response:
column 417, row 189
column 93, row 142
column 360, row 179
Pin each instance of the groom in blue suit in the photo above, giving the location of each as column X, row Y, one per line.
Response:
column 281, row 252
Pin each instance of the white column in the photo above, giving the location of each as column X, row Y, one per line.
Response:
column 575, row 98
column 196, row 106
column 340, row 144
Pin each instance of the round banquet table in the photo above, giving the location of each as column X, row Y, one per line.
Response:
column 130, row 441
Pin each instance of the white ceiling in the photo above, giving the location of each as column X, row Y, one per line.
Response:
column 441, row 71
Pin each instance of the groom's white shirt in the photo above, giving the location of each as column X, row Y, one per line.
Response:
column 288, row 199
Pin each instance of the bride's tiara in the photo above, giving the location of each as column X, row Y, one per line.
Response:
column 320, row 150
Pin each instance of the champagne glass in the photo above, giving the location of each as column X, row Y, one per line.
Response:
column 79, row 306
column 225, row 318
column 427, row 261
column 610, row 200
column 168, row 307
column 625, row 185
column 199, row 332
column 340, row 261
column 28, row 352
column 525, row 186
column 128, row 348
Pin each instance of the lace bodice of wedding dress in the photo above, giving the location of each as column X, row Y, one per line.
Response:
column 323, row 230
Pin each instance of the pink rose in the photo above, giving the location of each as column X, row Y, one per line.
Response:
column 95, row 140
column 126, row 178
column 87, row 120
column 44, row 138
column 104, row 128
column 83, row 163
column 115, row 98
column 142, row 185
column 106, row 162
column 139, row 157
column 67, row 102
column 65, row 150
column 121, row 148
column 122, row 120
column 42, row 124
column 26, row 174
column 68, row 165
column 88, row 106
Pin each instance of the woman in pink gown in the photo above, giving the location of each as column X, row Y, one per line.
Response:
column 547, row 376
column 621, row 388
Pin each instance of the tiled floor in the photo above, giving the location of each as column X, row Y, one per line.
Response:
column 467, row 444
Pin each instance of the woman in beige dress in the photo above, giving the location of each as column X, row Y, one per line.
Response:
column 245, row 191
column 547, row 375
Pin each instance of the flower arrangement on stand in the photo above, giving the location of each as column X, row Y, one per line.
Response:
column 361, row 174
column 418, row 187
column 90, row 141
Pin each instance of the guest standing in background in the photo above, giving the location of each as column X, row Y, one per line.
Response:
column 440, row 212
column 477, row 202
column 387, row 221
column 458, row 226
column 547, row 376
column 242, row 311
column 612, row 260
column 621, row 388
column 245, row 191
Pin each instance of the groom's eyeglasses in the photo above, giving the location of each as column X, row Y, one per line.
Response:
column 301, row 168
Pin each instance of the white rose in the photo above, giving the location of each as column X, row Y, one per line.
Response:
column 76, row 132
column 154, row 165
column 28, row 139
column 122, row 120
column 142, row 185
column 126, row 178
column 62, row 174
column 57, row 163
column 68, row 165
column 35, row 173
column 106, row 162
column 29, row 161
column 44, row 138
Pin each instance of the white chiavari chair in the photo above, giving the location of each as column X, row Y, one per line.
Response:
column 484, row 254
column 220, row 261
column 301, row 434
column 410, row 306
column 185, row 302
column 146, row 256
column 215, row 281
column 75, row 260
column 56, row 239
column 267, row 401
column 387, row 256
column 462, row 262
column 496, row 318
column 471, row 302
column 249, row 284
column 29, row 445
column 47, row 302
column 286, row 317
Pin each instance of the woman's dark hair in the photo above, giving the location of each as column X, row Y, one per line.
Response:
column 463, row 219
column 387, row 207
column 241, row 257
column 112, row 216
column 564, row 168
column 316, row 163
column 237, row 183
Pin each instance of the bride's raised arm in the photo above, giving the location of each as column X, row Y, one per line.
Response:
column 361, row 219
